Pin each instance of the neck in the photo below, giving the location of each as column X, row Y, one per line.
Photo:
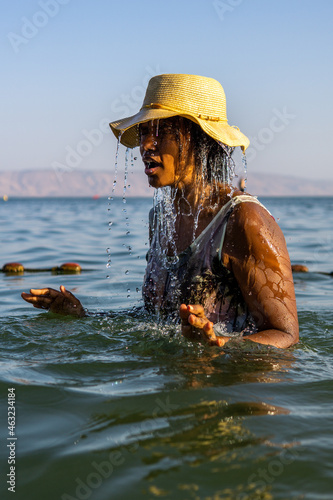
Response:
column 199, row 196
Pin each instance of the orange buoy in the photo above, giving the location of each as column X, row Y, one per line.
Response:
column 70, row 267
column 13, row 267
column 299, row 268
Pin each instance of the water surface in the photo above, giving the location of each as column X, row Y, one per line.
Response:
column 123, row 408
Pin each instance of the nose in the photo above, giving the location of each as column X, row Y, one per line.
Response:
column 148, row 142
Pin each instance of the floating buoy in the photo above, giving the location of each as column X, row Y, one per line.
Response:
column 13, row 267
column 69, row 267
column 299, row 268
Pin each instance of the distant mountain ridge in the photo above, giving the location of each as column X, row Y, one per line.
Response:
column 48, row 183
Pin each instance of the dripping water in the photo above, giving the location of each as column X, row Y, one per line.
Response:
column 125, row 175
column 115, row 169
column 110, row 199
column 124, row 210
column 244, row 162
column 164, row 210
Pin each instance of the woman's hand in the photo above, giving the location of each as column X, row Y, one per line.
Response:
column 63, row 302
column 196, row 326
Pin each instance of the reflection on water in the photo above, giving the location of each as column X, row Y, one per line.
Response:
column 123, row 407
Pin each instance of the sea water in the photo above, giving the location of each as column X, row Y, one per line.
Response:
column 120, row 407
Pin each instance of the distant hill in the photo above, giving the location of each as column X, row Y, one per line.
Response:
column 45, row 183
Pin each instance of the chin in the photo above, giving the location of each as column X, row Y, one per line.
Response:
column 154, row 182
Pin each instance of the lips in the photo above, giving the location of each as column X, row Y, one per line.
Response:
column 151, row 167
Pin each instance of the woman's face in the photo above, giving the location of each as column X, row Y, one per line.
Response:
column 160, row 153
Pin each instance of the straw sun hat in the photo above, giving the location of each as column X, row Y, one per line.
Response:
column 197, row 98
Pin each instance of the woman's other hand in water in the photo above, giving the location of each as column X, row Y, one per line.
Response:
column 63, row 302
column 196, row 326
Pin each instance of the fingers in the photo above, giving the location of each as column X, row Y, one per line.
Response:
column 40, row 302
column 195, row 325
column 43, row 291
column 183, row 313
column 60, row 302
column 209, row 331
column 196, row 309
column 193, row 320
column 68, row 294
column 41, row 298
column 197, row 322
column 186, row 310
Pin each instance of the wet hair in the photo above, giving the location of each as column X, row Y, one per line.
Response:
column 213, row 159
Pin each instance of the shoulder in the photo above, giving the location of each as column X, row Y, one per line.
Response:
column 249, row 214
column 252, row 228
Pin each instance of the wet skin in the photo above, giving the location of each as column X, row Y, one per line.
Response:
column 254, row 250
column 63, row 302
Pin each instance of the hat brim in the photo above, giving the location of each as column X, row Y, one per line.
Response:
column 221, row 131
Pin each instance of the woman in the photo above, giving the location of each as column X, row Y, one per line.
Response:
column 217, row 258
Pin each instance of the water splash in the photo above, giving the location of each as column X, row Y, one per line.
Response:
column 125, row 174
column 165, row 222
column 114, row 184
column 110, row 199
column 244, row 162
column 229, row 167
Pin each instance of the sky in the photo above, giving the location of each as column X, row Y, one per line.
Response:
column 68, row 67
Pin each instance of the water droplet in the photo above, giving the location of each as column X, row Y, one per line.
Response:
column 244, row 161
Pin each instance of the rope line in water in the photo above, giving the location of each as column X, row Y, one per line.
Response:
column 66, row 268
column 74, row 268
